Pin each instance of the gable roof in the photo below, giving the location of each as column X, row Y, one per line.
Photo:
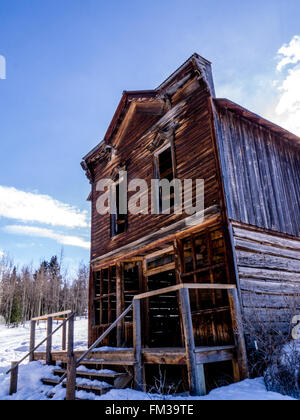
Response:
column 195, row 63
column 251, row 116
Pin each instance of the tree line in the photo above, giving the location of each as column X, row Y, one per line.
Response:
column 27, row 293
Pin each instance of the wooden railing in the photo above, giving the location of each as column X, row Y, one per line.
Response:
column 197, row 384
column 71, row 371
column 195, row 371
column 50, row 333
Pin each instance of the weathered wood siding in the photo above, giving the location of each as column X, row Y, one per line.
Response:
column 268, row 267
column 195, row 159
column 261, row 173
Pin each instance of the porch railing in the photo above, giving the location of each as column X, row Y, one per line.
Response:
column 48, row 340
column 195, row 372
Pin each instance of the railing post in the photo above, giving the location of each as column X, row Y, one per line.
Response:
column 120, row 303
column 32, row 340
column 13, row 388
column 64, row 336
column 71, row 336
column 71, row 369
column 137, row 345
column 237, row 325
column 195, row 372
column 49, row 341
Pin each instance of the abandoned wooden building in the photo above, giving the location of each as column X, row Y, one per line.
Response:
column 195, row 283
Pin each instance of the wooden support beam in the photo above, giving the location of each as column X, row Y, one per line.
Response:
column 71, row 379
column 49, row 341
column 197, row 383
column 13, row 388
column 64, row 337
column 238, row 330
column 201, row 379
column 71, row 337
column 137, row 345
column 71, row 366
column 32, row 340
column 120, row 303
column 178, row 272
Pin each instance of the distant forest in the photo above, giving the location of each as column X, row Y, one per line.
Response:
column 27, row 293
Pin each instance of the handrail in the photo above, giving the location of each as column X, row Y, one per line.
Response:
column 101, row 338
column 144, row 296
column 55, row 315
column 42, row 342
column 177, row 287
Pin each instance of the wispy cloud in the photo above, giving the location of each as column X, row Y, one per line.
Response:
column 30, row 207
column 289, row 53
column 287, row 110
column 49, row 234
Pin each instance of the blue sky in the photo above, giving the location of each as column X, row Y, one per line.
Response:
column 67, row 65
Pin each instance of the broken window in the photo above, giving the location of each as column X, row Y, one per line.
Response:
column 165, row 170
column 118, row 221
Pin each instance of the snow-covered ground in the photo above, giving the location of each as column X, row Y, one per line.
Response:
column 14, row 343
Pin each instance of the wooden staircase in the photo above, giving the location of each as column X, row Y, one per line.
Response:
column 91, row 376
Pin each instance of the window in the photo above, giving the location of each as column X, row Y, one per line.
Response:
column 118, row 221
column 105, row 296
column 165, row 169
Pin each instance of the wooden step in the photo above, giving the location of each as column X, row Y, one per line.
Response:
column 79, row 387
column 118, row 380
column 83, row 373
column 50, row 382
column 107, row 362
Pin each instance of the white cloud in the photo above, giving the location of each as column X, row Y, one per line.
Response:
column 289, row 53
column 33, row 207
column 286, row 111
column 49, row 234
column 1, row 253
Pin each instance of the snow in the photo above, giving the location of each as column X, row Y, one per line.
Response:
column 14, row 343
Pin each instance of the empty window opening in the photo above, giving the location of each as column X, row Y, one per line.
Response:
column 164, row 167
column 118, row 221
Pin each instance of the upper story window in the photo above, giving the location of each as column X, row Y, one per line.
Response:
column 118, row 220
column 165, row 169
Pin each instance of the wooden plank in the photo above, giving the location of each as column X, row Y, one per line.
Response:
column 70, row 350
column 193, row 374
column 177, row 287
column 238, row 330
column 201, row 378
column 120, row 303
column 255, row 260
column 251, row 233
column 260, row 248
column 64, row 337
column 55, row 315
column 32, row 340
column 71, row 379
column 161, row 269
column 215, row 355
column 269, row 287
column 49, row 341
column 267, row 274
column 13, row 387
column 137, row 345
column 163, row 251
